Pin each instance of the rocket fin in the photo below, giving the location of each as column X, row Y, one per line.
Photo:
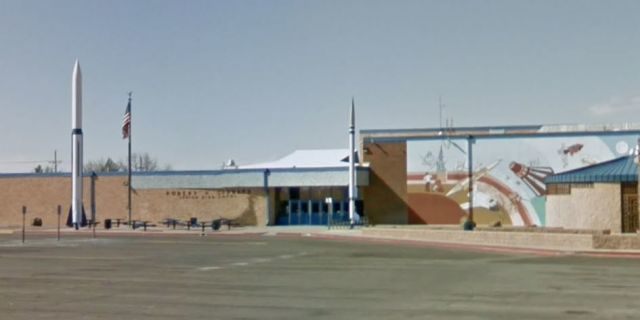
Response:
column 83, row 222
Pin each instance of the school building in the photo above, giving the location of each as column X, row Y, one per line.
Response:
column 390, row 190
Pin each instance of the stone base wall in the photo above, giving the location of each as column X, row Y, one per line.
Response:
column 490, row 238
column 618, row 242
column 556, row 239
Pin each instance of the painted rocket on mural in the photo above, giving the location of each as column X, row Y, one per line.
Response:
column 571, row 150
column 533, row 177
column 464, row 184
column 566, row 152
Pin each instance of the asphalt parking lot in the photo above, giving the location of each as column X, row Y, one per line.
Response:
column 292, row 277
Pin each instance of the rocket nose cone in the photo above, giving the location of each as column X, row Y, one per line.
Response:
column 352, row 115
column 76, row 97
column 76, row 68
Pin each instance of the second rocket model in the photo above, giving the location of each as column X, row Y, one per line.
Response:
column 352, row 183
column 76, row 147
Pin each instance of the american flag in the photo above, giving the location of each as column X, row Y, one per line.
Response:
column 126, row 122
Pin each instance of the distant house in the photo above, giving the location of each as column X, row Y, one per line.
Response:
column 601, row 196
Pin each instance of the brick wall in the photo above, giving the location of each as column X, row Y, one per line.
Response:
column 386, row 195
column 42, row 195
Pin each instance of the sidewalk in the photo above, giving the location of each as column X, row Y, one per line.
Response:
column 449, row 237
column 555, row 243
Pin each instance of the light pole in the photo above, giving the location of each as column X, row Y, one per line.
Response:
column 267, row 172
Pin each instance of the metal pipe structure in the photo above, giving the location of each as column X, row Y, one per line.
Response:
column 352, row 187
column 24, row 222
column 470, row 142
column 59, row 213
column 265, row 181
column 76, row 146
column 498, row 132
column 128, row 120
column 94, row 177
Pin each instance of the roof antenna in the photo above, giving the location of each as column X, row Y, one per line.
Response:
column 440, row 106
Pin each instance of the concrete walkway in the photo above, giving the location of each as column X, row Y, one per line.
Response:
column 555, row 242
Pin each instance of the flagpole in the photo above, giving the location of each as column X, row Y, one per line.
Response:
column 129, row 183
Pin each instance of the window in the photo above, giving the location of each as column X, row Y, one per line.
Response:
column 294, row 193
column 559, row 188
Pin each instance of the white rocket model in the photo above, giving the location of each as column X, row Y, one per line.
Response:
column 352, row 177
column 76, row 146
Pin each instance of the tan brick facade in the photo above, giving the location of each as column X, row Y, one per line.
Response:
column 386, row 195
column 42, row 195
column 586, row 208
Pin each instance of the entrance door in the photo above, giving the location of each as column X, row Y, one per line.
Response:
column 630, row 217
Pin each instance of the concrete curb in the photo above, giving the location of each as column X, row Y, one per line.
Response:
column 358, row 235
column 633, row 254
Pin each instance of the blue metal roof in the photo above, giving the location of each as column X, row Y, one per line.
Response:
column 623, row 169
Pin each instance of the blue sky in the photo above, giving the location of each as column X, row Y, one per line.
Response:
column 254, row 80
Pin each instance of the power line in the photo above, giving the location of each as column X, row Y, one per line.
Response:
column 54, row 162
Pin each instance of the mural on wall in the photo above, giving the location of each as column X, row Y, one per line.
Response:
column 508, row 175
